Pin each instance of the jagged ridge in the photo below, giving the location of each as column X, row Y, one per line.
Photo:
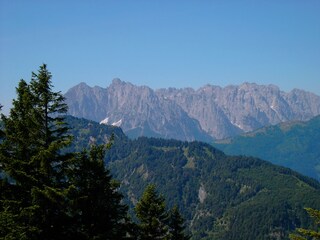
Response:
column 188, row 114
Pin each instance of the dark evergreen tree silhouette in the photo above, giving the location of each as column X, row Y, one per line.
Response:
column 176, row 225
column 96, row 209
column 152, row 215
column 30, row 155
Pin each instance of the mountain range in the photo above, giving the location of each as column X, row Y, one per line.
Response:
column 208, row 113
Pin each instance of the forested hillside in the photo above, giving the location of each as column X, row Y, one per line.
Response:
column 220, row 196
column 294, row 144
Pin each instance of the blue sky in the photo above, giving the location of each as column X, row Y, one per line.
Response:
column 167, row 43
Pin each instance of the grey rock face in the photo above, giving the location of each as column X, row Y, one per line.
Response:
column 188, row 114
column 137, row 110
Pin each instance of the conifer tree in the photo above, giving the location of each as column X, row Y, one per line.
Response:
column 30, row 156
column 96, row 209
column 176, row 226
column 48, row 106
column 19, row 142
column 16, row 149
column 152, row 215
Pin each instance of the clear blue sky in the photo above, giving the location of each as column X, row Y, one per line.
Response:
column 167, row 43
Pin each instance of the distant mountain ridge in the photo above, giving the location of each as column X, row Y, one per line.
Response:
column 292, row 144
column 211, row 112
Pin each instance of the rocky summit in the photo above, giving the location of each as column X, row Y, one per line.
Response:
column 210, row 112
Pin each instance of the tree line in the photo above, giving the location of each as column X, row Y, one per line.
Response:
column 47, row 193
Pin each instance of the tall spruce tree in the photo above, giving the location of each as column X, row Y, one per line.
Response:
column 152, row 215
column 48, row 106
column 155, row 222
column 96, row 209
column 176, row 225
column 51, row 137
column 18, row 179
column 30, row 157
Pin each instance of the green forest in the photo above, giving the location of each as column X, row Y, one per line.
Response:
column 68, row 178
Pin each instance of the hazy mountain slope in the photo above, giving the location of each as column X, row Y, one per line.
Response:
column 294, row 144
column 221, row 197
column 189, row 114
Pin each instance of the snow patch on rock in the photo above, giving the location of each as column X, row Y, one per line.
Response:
column 105, row 121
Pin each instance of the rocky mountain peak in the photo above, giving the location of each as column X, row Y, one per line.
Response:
column 80, row 87
column 188, row 114
column 118, row 82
